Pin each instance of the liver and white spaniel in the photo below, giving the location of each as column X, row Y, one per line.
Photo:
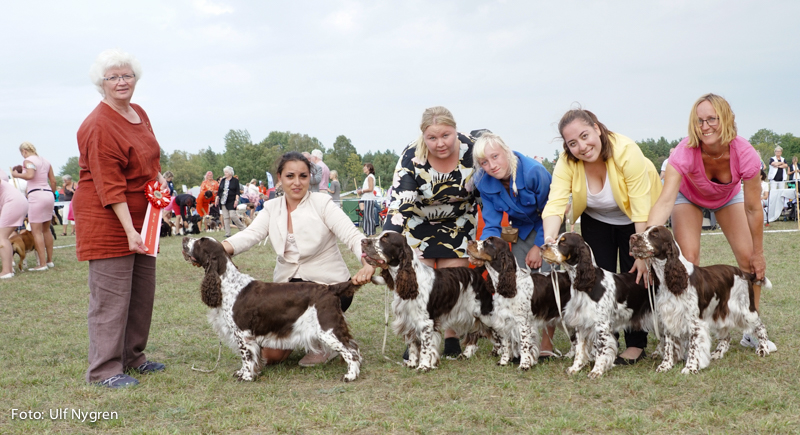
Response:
column 248, row 314
column 427, row 300
column 693, row 300
column 523, row 302
column 601, row 302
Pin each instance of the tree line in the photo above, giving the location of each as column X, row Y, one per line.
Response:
column 252, row 160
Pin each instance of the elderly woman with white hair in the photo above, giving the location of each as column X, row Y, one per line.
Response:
column 228, row 199
column 41, row 184
column 119, row 155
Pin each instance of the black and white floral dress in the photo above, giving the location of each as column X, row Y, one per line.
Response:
column 435, row 211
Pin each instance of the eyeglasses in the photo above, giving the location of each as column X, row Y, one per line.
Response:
column 127, row 78
column 712, row 122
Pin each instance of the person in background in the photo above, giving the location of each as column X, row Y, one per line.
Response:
column 262, row 189
column 228, row 199
column 207, row 196
column 517, row 185
column 181, row 205
column 168, row 176
column 778, row 169
column 794, row 170
column 367, row 203
column 316, row 172
column 613, row 187
column 41, row 184
column 13, row 208
column 336, row 188
column 303, row 228
column 119, row 155
column 433, row 201
column 316, row 157
column 715, row 169
column 69, row 191
column 664, row 165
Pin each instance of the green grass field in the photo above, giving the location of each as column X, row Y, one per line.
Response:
column 43, row 342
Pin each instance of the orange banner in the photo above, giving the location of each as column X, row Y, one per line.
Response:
column 151, row 229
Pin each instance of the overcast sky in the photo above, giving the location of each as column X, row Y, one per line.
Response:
column 368, row 69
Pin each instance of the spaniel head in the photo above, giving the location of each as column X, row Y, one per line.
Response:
column 209, row 254
column 657, row 242
column 572, row 252
column 497, row 253
column 390, row 249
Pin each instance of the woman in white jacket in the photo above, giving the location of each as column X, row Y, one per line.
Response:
column 303, row 227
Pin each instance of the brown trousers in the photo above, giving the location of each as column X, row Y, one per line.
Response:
column 122, row 290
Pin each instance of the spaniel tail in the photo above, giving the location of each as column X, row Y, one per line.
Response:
column 348, row 289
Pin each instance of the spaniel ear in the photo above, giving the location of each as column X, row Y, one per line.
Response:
column 211, row 286
column 585, row 271
column 406, row 284
column 507, row 278
column 487, row 282
column 675, row 272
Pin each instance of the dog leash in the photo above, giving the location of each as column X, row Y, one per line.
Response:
column 219, row 354
column 557, row 292
column 651, row 294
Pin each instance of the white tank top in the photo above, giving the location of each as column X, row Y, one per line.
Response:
column 603, row 207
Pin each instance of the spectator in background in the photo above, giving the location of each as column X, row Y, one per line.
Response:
column 262, row 189
column 794, row 170
column 41, row 184
column 228, row 199
column 664, row 165
column 316, row 156
column 778, row 169
column 66, row 196
column 367, row 203
column 207, row 196
column 13, row 208
column 181, row 205
column 316, row 173
column 336, row 188
column 168, row 176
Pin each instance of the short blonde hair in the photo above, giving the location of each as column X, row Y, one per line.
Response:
column 112, row 58
column 27, row 146
column 727, row 120
column 491, row 139
column 436, row 115
column 334, row 175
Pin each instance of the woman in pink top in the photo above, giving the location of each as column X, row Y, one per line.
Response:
column 41, row 184
column 13, row 208
column 715, row 169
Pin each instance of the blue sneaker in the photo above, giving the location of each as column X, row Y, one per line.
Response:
column 119, row 381
column 150, row 367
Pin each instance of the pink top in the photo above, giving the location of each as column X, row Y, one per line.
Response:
column 13, row 205
column 40, row 177
column 697, row 188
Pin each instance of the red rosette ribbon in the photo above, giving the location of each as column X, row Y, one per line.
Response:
column 153, row 193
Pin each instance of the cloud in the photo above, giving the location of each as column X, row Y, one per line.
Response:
column 207, row 7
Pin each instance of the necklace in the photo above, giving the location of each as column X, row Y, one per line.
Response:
column 714, row 158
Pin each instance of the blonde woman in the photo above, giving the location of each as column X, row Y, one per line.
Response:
column 41, row 184
column 336, row 188
column 715, row 169
column 433, row 203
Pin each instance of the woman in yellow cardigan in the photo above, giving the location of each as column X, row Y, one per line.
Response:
column 613, row 187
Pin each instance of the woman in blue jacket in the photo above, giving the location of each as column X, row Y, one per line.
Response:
column 512, row 183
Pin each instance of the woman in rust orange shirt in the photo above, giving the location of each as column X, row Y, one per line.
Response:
column 119, row 154
column 204, row 200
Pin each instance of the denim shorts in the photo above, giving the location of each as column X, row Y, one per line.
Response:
column 739, row 197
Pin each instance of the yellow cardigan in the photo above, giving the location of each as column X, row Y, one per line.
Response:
column 634, row 181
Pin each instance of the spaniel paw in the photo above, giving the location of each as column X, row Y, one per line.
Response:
column 349, row 378
column 689, row 371
column 717, row 355
column 595, row 374
column 663, row 368
column 573, row 370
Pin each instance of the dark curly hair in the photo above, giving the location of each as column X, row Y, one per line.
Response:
column 292, row 156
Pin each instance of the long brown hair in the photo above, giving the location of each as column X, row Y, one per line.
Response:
column 591, row 120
